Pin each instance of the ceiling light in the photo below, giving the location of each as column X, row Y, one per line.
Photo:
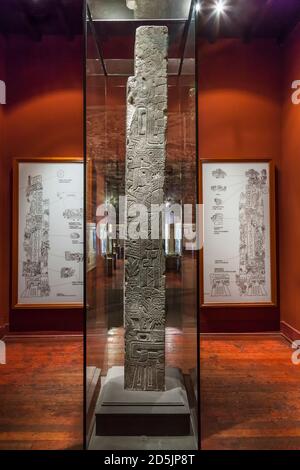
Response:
column 220, row 7
column 198, row 6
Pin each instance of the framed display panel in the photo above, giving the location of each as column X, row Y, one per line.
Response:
column 48, row 240
column 238, row 257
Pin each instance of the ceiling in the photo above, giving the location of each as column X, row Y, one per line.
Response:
column 249, row 19
column 243, row 18
column 35, row 18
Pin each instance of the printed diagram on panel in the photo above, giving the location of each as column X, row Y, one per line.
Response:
column 219, row 173
column 73, row 260
column 220, row 284
column 36, row 241
column 218, row 188
column 219, row 279
column 51, row 224
column 217, row 216
column 217, row 219
column 237, row 246
column 251, row 279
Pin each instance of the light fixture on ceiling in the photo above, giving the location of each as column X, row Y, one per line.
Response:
column 220, row 7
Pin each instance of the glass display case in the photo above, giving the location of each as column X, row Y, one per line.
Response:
column 157, row 408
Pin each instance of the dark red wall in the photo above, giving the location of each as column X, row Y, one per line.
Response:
column 240, row 87
column 45, row 119
column 244, row 112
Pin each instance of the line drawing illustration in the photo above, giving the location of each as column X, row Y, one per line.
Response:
column 219, row 173
column 217, row 219
column 219, row 188
column 218, row 201
column 74, row 256
column 251, row 279
column 75, row 235
column 66, row 272
column 36, row 241
column 220, row 284
column 73, row 214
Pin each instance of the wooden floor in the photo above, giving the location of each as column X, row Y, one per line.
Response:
column 41, row 394
column 250, row 392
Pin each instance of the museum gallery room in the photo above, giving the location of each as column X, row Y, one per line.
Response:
column 150, row 280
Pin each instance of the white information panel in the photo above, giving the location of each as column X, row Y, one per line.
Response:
column 237, row 236
column 50, row 233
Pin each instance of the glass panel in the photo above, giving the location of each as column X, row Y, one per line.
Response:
column 96, row 327
column 110, row 61
column 118, row 10
column 248, row 56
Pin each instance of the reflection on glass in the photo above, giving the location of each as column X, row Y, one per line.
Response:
column 110, row 41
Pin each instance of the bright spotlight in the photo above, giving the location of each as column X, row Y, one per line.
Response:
column 220, row 7
column 198, row 6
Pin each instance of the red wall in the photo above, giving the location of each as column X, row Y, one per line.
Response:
column 240, row 117
column 45, row 119
column 290, row 190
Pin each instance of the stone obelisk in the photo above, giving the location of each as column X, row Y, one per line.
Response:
column 144, row 302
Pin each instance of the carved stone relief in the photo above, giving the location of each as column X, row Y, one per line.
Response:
column 144, row 302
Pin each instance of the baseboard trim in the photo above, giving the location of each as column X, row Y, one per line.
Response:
column 241, row 333
column 286, row 330
column 49, row 336
column 289, row 332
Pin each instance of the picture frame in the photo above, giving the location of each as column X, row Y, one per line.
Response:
column 233, row 274
column 48, row 233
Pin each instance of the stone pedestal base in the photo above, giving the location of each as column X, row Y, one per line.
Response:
column 122, row 412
